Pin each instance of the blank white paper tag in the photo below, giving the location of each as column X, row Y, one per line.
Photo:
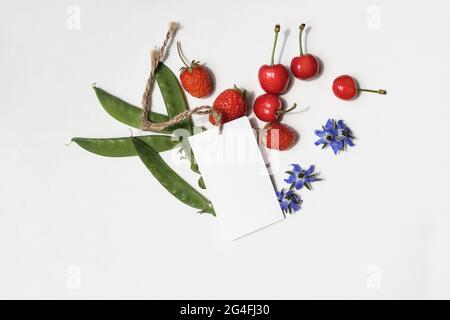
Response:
column 236, row 178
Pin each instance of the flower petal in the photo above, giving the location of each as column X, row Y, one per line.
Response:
column 334, row 133
column 335, row 146
column 296, row 167
column 299, row 184
column 319, row 142
column 310, row 170
column 295, row 206
column 329, row 124
column 319, row 133
column 349, row 142
column 290, row 179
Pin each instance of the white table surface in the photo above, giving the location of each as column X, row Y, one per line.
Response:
column 76, row 225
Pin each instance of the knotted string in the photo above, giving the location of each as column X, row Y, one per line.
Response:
column 158, row 55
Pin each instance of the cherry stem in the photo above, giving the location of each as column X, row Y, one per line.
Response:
column 180, row 54
column 280, row 112
column 380, row 91
column 302, row 27
column 277, row 30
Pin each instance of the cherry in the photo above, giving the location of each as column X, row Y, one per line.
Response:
column 268, row 107
column 346, row 88
column 274, row 78
column 305, row 66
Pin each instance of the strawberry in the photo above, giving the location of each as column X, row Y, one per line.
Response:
column 195, row 80
column 278, row 136
column 230, row 104
column 194, row 77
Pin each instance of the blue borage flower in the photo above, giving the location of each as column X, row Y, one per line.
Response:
column 289, row 200
column 299, row 177
column 335, row 134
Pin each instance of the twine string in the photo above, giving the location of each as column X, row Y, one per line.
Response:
column 158, row 55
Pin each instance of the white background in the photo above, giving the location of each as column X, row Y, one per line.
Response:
column 76, row 225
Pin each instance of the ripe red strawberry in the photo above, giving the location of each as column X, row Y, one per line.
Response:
column 230, row 104
column 278, row 136
column 195, row 80
column 194, row 77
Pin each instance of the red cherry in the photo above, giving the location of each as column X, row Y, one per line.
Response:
column 346, row 88
column 274, row 78
column 268, row 107
column 305, row 66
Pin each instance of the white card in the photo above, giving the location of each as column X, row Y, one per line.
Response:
column 236, row 178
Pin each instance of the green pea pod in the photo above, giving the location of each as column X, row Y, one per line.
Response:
column 170, row 180
column 172, row 94
column 126, row 112
column 194, row 165
column 175, row 102
column 201, row 183
column 124, row 147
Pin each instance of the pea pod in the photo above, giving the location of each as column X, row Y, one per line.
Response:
column 172, row 94
column 124, row 147
column 175, row 102
column 126, row 112
column 170, row 180
column 201, row 183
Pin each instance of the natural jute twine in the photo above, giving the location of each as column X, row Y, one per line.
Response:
column 158, row 55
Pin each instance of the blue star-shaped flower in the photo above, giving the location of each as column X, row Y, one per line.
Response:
column 289, row 201
column 335, row 134
column 299, row 177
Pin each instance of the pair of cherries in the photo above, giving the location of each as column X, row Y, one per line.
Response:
column 274, row 79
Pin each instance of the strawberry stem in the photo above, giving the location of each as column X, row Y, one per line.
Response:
column 180, row 54
column 380, row 91
column 277, row 30
column 302, row 27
